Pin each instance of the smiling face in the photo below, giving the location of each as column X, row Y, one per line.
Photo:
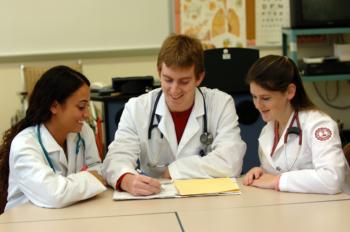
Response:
column 273, row 105
column 179, row 86
column 71, row 114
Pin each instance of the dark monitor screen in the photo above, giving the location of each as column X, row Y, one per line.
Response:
column 319, row 13
column 326, row 10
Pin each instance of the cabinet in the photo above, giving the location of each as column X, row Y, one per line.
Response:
column 112, row 109
column 290, row 48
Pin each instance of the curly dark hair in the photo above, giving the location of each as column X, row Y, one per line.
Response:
column 56, row 84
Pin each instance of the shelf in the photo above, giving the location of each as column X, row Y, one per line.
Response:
column 315, row 31
column 333, row 77
column 290, row 48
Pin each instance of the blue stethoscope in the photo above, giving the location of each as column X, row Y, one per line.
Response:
column 77, row 148
column 206, row 137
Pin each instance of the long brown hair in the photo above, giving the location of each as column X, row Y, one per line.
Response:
column 57, row 84
column 275, row 73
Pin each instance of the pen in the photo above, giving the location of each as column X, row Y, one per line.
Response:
column 141, row 172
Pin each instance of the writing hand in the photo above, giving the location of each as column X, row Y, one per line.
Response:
column 140, row 185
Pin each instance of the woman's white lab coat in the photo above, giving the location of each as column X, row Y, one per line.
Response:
column 32, row 179
column 224, row 157
column 317, row 166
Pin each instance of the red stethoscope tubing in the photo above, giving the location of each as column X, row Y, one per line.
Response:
column 276, row 137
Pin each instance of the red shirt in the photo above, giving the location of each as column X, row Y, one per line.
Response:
column 180, row 120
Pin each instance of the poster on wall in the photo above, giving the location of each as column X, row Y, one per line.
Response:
column 270, row 16
column 217, row 23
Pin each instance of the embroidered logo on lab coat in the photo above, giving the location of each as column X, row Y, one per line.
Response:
column 323, row 133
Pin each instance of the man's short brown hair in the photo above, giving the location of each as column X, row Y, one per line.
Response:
column 181, row 51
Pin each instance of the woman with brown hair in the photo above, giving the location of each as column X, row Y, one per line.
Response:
column 299, row 147
column 43, row 157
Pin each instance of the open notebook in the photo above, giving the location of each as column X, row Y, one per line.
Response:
column 191, row 187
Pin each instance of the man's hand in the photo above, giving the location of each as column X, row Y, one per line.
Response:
column 140, row 185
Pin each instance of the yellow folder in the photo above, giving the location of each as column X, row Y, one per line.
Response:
column 206, row 186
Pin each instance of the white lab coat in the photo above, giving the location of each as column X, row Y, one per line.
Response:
column 319, row 163
column 224, row 157
column 32, row 179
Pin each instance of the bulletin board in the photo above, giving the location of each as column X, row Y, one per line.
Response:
column 39, row 27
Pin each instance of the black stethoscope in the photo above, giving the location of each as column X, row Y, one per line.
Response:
column 77, row 148
column 206, row 137
column 296, row 130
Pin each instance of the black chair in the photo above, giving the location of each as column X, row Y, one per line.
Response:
column 226, row 69
column 346, row 150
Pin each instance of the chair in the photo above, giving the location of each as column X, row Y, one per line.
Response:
column 31, row 74
column 346, row 150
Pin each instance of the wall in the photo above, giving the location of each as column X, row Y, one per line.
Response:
column 103, row 69
column 54, row 27
column 96, row 69
column 103, row 66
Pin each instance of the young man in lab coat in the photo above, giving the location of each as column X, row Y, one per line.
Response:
column 178, row 131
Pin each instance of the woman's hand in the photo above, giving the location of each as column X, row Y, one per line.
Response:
column 267, row 181
column 140, row 185
column 252, row 174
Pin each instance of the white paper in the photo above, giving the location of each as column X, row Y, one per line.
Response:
column 168, row 191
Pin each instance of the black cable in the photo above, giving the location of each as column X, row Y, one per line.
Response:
column 327, row 91
column 327, row 103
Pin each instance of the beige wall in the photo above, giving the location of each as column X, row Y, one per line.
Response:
column 103, row 69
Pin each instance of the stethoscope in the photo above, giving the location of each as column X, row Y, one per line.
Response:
column 290, row 130
column 206, row 137
column 77, row 148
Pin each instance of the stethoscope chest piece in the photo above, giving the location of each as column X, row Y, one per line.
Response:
column 206, row 138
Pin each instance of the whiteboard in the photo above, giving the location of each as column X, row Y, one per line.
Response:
column 39, row 27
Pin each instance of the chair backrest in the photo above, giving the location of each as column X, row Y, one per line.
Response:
column 346, row 150
column 31, row 74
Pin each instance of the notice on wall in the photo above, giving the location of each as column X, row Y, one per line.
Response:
column 217, row 23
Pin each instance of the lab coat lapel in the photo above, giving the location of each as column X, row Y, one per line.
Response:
column 52, row 147
column 192, row 126
column 266, row 142
column 72, row 156
column 166, row 124
column 281, row 140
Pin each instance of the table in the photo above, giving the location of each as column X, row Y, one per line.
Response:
column 317, row 216
column 179, row 213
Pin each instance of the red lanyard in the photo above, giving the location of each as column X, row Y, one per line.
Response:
column 275, row 139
